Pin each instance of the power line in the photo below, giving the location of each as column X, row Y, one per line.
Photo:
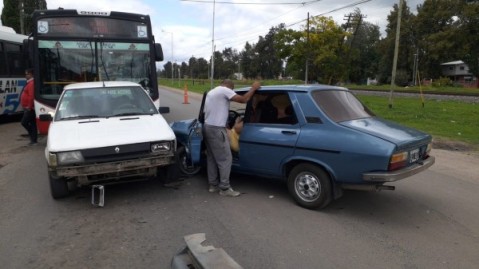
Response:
column 252, row 3
column 331, row 11
column 256, row 33
column 269, row 20
column 244, row 40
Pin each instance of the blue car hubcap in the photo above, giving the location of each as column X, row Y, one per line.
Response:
column 307, row 186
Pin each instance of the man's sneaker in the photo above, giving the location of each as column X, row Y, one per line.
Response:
column 213, row 189
column 229, row 192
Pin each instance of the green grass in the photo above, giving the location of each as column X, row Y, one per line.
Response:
column 417, row 89
column 444, row 120
column 202, row 85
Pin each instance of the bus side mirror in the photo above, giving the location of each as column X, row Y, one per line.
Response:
column 158, row 52
column 45, row 117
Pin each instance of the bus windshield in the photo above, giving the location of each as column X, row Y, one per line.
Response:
column 65, row 62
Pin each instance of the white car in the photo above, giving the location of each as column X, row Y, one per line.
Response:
column 106, row 132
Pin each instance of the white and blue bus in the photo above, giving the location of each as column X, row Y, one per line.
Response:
column 12, row 70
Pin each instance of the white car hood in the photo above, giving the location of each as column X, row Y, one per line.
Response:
column 70, row 135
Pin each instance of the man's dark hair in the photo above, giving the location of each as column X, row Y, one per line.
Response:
column 228, row 83
column 29, row 70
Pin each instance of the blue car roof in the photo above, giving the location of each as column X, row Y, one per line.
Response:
column 295, row 88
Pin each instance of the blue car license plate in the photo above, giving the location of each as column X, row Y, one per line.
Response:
column 413, row 155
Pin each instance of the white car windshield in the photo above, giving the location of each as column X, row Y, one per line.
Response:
column 104, row 102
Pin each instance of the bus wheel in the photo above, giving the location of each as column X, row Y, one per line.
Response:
column 58, row 186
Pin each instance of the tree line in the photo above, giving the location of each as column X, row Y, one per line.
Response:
column 324, row 51
column 327, row 52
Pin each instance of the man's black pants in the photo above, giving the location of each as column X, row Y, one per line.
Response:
column 29, row 122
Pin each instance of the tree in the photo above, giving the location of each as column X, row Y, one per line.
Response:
column 29, row 7
column 289, row 45
column 229, row 63
column 327, row 50
column 184, row 70
column 322, row 44
column 219, row 68
column 435, row 32
column 365, row 57
column 407, row 45
column 193, row 66
column 363, row 54
column 270, row 65
column 247, row 56
column 168, row 69
column 11, row 14
column 468, row 36
column 203, row 68
column 13, row 11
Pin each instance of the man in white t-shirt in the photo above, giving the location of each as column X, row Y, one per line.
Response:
column 219, row 156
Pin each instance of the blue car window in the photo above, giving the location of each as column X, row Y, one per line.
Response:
column 341, row 105
column 273, row 108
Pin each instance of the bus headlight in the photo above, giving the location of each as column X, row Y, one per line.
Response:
column 69, row 157
column 160, row 147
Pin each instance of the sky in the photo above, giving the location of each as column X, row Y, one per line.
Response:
column 185, row 27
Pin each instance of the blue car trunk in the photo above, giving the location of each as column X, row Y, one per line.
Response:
column 403, row 137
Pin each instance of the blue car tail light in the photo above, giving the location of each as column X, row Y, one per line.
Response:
column 398, row 161
column 404, row 158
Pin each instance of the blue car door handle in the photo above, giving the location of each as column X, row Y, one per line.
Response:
column 289, row 132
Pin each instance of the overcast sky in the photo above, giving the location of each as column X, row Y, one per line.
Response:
column 190, row 23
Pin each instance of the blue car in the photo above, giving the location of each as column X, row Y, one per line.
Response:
column 319, row 139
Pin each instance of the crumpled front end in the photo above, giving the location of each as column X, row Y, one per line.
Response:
column 113, row 164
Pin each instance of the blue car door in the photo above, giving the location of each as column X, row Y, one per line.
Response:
column 266, row 143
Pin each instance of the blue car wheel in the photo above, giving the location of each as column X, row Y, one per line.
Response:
column 310, row 186
column 184, row 162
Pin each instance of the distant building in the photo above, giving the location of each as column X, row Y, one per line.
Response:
column 238, row 76
column 371, row 81
column 459, row 73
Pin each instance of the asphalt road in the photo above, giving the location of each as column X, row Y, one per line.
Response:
column 430, row 221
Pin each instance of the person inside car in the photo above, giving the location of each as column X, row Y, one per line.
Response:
column 234, row 134
column 284, row 109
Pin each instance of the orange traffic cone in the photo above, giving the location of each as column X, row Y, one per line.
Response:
column 185, row 95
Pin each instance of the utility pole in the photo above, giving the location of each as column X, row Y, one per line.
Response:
column 191, row 68
column 414, row 73
column 213, row 47
column 22, row 17
column 172, row 55
column 307, row 53
column 352, row 26
column 396, row 50
column 179, row 75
